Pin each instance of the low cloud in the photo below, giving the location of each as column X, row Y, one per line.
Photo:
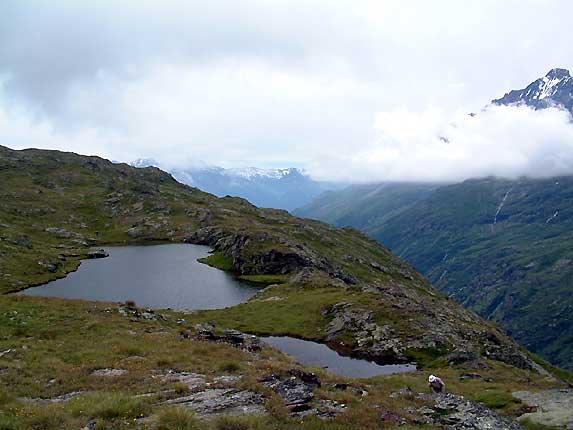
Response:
column 503, row 141
column 287, row 83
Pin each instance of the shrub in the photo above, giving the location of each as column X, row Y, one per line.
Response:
column 177, row 419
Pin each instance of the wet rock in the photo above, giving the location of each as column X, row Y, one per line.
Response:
column 97, row 253
column 109, row 373
column 549, row 408
column 221, row 401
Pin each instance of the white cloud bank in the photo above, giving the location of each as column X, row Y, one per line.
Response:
column 274, row 84
column 504, row 141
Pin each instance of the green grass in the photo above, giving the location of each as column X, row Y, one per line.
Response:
column 527, row 424
column 73, row 338
column 218, row 261
column 497, row 399
column 265, row 279
column 239, row 423
column 58, row 344
column 517, row 272
column 293, row 313
column 178, row 419
column 108, row 406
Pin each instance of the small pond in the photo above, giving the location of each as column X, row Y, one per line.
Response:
column 158, row 276
column 318, row 355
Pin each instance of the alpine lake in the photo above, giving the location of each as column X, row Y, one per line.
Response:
column 169, row 276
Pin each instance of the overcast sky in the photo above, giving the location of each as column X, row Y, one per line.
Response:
column 348, row 90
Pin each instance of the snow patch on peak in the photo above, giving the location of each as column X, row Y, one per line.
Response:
column 257, row 173
column 144, row 162
column 549, row 84
column 555, row 89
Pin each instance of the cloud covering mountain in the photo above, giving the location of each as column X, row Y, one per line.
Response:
column 320, row 85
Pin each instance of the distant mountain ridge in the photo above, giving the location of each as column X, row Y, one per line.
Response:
column 286, row 188
column 555, row 89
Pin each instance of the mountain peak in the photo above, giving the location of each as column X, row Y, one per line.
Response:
column 144, row 162
column 558, row 74
column 555, row 89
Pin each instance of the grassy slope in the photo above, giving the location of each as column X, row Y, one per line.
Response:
column 517, row 272
column 364, row 206
column 103, row 203
column 57, row 344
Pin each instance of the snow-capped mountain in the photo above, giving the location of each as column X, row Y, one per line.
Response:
column 278, row 188
column 254, row 173
column 554, row 89
column 144, row 162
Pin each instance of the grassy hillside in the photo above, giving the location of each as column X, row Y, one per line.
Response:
column 333, row 285
column 502, row 248
column 365, row 207
column 54, row 205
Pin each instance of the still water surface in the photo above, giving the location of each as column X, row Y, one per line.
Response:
column 318, row 355
column 158, row 276
column 162, row 276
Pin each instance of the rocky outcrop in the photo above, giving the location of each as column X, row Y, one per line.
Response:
column 287, row 257
column 97, row 253
column 235, row 338
column 453, row 412
column 372, row 340
column 129, row 309
column 296, row 389
column 458, row 413
column 222, row 401
column 109, row 373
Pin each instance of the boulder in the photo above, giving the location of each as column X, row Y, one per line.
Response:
column 97, row 253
